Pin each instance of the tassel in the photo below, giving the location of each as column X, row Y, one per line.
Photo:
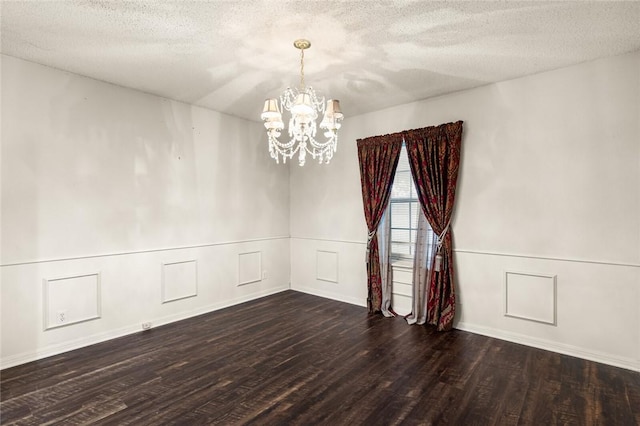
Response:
column 438, row 263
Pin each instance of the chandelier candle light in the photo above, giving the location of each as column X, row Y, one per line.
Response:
column 305, row 107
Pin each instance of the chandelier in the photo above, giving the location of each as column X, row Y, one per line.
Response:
column 305, row 108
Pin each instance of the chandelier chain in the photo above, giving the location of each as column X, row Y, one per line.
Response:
column 301, row 68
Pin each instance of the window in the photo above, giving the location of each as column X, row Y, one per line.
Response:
column 404, row 211
column 403, row 208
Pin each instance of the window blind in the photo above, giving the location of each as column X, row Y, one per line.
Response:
column 403, row 209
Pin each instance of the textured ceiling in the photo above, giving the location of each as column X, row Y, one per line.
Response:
column 230, row 55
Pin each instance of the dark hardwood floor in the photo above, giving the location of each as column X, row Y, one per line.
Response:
column 293, row 358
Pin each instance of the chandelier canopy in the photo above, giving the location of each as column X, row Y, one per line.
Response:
column 305, row 108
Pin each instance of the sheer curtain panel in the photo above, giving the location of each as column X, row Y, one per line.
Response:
column 422, row 261
column 378, row 157
column 386, row 272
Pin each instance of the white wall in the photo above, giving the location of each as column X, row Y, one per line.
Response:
column 99, row 178
column 549, row 186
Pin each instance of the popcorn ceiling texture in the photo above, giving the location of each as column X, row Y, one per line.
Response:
column 230, row 55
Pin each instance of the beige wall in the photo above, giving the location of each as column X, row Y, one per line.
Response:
column 549, row 186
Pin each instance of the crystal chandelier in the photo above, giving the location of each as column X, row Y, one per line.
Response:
column 305, row 107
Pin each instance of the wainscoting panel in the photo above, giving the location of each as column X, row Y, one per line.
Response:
column 327, row 266
column 71, row 300
column 130, row 293
column 596, row 313
column 530, row 297
column 249, row 267
column 179, row 280
column 342, row 262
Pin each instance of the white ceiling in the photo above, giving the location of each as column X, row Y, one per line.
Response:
column 230, row 55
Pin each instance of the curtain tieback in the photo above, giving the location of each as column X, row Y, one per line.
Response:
column 370, row 236
column 438, row 261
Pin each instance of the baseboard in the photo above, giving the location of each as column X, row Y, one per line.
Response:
column 330, row 295
column 604, row 358
column 25, row 357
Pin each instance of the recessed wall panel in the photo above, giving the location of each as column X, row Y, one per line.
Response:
column 70, row 300
column 249, row 267
column 327, row 266
column 179, row 280
column 530, row 296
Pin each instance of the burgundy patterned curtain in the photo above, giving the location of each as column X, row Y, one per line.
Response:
column 434, row 158
column 378, row 157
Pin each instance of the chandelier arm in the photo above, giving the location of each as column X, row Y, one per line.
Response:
column 273, row 139
column 328, row 143
column 275, row 151
column 320, row 146
column 282, row 145
column 292, row 152
column 324, row 155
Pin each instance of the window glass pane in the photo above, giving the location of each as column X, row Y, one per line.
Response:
column 430, row 234
column 431, row 250
column 403, row 161
column 404, row 209
column 399, row 215
column 414, row 214
column 401, row 249
column 412, row 186
column 401, row 185
column 400, row 235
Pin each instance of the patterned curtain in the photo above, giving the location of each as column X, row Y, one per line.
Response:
column 434, row 158
column 378, row 156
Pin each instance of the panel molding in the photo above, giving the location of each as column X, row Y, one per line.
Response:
column 231, row 242
column 540, row 257
column 320, row 274
column 364, row 243
column 554, row 294
column 501, row 254
column 258, row 273
column 163, row 290
column 47, row 298
column 155, row 250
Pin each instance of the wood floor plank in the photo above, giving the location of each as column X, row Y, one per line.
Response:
column 297, row 359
